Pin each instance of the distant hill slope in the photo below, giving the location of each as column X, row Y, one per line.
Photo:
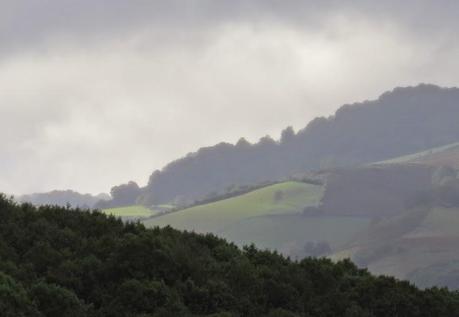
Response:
column 129, row 212
column 447, row 155
column 421, row 245
column 136, row 212
column 379, row 190
column 398, row 219
column 282, row 198
column 63, row 198
column 414, row 210
column 271, row 217
column 400, row 122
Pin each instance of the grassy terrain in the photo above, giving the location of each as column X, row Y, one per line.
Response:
column 423, row 253
column 292, row 197
column 267, row 219
column 436, row 156
column 129, row 211
column 289, row 233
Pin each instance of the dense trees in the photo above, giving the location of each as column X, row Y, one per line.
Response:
column 122, row 195
column 125, row 194
column 62, row 262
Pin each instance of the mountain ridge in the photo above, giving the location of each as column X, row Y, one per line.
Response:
column 402, row 121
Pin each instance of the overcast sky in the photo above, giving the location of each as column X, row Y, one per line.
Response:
column 94, row 93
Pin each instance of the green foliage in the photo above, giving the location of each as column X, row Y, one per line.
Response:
column 281, row 313
column 62, row 262
column 56, row 301
column 14, row 301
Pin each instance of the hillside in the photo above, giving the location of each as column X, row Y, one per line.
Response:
column 129, row 212
column 447, row 155
column 414, row 210
column 400, row 122
column 277, row 224
column 397, row 219
column 61, row 262
column 136, row 212
column 376, row 190
column 419, row 245
column 283, row 198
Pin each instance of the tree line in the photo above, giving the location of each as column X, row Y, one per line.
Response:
column 58, row 261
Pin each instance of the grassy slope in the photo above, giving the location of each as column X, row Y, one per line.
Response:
column 437, row 156
column 129, row 211
column 429, row 254
column 424, row 253
column 257, row 218
column 214, row 217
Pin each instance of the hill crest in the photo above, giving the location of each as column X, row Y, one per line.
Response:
column 402, row 121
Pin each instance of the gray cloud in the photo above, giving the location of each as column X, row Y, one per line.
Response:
column 30, row 22
column 94, row 93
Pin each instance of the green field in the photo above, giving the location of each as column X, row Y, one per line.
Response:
column 129, row 212
column 292, row 197
column 258, row 217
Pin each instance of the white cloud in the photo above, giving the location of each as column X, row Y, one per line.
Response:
column 94, row 110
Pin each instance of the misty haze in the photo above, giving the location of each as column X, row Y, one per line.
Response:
column 229, row 158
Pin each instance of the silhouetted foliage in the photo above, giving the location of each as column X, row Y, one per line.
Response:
column 122, row 195
column 125, row 194
column 63, row 198
column 62, row 262
column 403, row 121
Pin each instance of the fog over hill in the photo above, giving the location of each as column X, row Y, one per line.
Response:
column 399, row 122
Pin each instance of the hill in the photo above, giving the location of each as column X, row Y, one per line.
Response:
column 282, row 198
column 63, row 198
column 60, row 262
column 129, row 212
column 271, row 217
column 400, row 122
column 447, row 155
column 420, row 245
column 414, row 210
column 137, row 212
column 376, row 190
column 386, row 217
